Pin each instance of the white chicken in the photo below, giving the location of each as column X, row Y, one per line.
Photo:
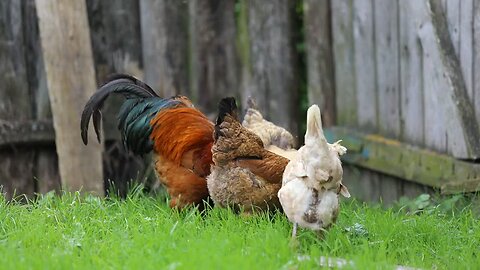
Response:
column 312, row 180
column 272, row 136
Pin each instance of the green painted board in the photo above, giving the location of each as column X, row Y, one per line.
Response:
column 411, row 163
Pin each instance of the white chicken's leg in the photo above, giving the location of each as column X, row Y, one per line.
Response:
column 294, row 231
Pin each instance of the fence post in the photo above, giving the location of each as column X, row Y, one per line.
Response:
column 15, row 164
column 67, row 53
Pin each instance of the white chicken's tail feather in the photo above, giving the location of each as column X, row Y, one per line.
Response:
column 314, row 126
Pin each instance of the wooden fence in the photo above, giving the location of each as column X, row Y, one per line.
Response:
column 407, row 70
column 385, row 67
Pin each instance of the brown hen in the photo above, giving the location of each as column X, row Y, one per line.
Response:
column 244, row 175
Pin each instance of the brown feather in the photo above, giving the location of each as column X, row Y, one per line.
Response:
column 180, row 130
column 183, row 185
column 270, row 167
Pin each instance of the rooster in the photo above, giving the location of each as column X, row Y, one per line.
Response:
column 244, row 175
column 312, row 180
column 180, row 136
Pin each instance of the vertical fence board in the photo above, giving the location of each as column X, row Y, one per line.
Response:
column 435, row 130
column 363, row 184
column 320, row 84
column 115, row 34
column 466, row 44
column 67, row 54
column 412, row 15
column 476, row 58
column 165, row 45
column 214, row 61
column 16, row 164
column 271, row 64
column 343, row 48
column 452, row 12
column 45, row 171
column 363, row 32
column 387, row 61
column 453, row 128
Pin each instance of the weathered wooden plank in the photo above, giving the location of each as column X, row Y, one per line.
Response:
column 214, row 60
column 387, row 51
column 33, row 132
column 413, row 190
column 26, row 132
column 16, row 175
column 459, row 15
column 390, row 189
column 363, row 184
column 443, row 73
column 67, row 54
column 271, row 64
column 466, row 44
column 365, row 75
column 476, row 57
column 452, row 12
column 343, row 48
column 472, row 185
column 434, row 126
column 411, row 15
column 115, row 33
column 45, row 170
column 402, row 160
column 320, row 84
column 164, row 27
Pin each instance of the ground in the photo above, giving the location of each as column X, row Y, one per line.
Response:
column 142, row 232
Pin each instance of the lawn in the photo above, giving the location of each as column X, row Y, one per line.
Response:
column 64, row 232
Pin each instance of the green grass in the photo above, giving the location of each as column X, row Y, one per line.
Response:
column 142, row 232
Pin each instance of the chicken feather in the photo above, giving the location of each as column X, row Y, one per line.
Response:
column 312, row 180
column 244, row 175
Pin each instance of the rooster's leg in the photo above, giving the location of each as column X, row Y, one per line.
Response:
column 294, row 231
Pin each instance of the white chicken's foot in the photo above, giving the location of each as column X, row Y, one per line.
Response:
column 294, row 230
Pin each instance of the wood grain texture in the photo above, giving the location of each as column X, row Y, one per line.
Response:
column 387, row 62
column 164, row 35
column 412, row 16
column 271, row 63
column 45, row 171
column 67, row 54
column 320, row 66
column 116, row 37
column 476, row 58
column 451, row 9
column 214, row 59
column 465, row 54
column 462, row 131
column 16, row 174
column 343, row 48
column 395, row 158
column 435, row 129
column 365, row 68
